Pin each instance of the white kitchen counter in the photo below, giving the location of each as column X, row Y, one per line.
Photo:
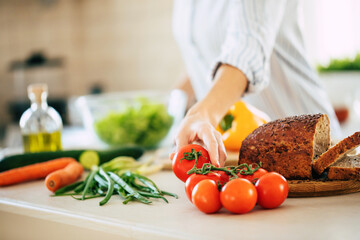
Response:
column 28, row 212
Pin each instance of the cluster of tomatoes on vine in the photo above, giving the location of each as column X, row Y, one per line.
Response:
column 236, row 188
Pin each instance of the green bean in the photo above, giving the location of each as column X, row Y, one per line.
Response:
column 170, row 194
column 146, row 194
column 68, row 188
column 147, row 182
column 88, row 197
column 89, row 182
column 80, row 188
column 122, row 193
column 151, row 186
column 110, row 187
column 127, row 188
column 100, row 181
column 140, row 187
column 127, row 200
column 64, row 194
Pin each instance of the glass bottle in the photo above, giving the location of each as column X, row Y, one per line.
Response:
column 40, row 125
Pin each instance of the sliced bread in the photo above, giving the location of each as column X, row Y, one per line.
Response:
column 346, row 168
column 336, row 152
column 288, row 146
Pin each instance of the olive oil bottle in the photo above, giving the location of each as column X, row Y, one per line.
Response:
column 40, row 125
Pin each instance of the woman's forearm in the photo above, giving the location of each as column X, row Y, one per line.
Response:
column 229, row 85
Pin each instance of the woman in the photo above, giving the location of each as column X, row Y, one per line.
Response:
column 250, row 49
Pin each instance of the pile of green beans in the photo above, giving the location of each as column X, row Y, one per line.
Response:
column 129, row 186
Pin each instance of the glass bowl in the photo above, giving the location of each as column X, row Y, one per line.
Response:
column 143, row 118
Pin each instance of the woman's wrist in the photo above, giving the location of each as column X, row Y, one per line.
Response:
column 203, row 111
column 229, row 85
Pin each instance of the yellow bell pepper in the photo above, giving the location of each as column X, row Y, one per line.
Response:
column 238, row 123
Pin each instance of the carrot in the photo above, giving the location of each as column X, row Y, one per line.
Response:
column 33, row 171
column 64, row 177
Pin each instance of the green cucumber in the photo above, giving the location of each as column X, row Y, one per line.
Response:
column 25, row 159
column 89, row 158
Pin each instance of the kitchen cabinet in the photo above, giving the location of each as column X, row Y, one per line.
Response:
column 28, row 212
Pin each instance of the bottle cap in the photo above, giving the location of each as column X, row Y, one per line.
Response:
column 37, row 92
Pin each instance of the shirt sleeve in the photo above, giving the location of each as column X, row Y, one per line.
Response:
column 250, row 39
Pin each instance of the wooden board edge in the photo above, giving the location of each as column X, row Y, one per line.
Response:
column 298, row 188
column 322, row 194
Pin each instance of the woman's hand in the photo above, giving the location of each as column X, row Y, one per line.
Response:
column 196, row 127
column 202, row 118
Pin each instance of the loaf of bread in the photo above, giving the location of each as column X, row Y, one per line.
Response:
column 336, row 152
column 288, row 146
column 345, row 168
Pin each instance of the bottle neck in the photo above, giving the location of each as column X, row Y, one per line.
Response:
column 35, row 105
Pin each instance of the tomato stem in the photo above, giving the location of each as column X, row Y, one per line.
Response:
column 191, row 156
column 242, row 169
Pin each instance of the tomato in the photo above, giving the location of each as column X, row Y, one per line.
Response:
column 206, row 196
column 272, row 189
column 224, row 178
column 238, row 196
column 255, row 176
column 196, row 178
column 181, row 166
column 219, row 177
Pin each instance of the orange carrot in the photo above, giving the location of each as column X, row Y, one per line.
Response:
column 33, row 171
column 64, row 177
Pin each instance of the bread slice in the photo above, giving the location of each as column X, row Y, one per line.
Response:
column 336, row 152
column 288, row 146
column 346, row 168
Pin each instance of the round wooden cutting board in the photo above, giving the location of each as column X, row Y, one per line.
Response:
column 307, row 188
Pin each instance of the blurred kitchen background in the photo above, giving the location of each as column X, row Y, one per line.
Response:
column 80, row 47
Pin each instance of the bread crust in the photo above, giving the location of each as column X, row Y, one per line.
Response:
column 336, row 152
column 284, row 145
column 342, row 173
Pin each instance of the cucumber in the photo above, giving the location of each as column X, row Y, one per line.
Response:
column 89, row 158
column 25, row 159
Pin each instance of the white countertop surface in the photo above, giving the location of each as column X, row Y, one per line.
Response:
column 28, row 212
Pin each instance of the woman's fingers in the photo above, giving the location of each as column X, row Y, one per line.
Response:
column 221, row 150
column 184, row 136
column 215, row 146
column 192, row 130
column 171, row 155
column 208, row 138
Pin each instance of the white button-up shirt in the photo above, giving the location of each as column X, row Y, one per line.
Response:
column 263, row 39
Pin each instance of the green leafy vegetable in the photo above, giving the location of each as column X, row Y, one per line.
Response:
column 129, row 186
column 145, row 124
column 345, row 64
column 120, row 177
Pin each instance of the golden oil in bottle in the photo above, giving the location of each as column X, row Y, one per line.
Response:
column 41, row 124
column 42, row 141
